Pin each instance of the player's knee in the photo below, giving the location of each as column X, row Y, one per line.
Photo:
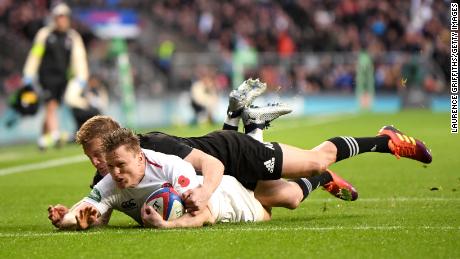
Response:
column 328, row 151
column 323, row 166
column 267, row 214
column 316, row 162
column 323, row 160
column 293, row 203
column 317, row 166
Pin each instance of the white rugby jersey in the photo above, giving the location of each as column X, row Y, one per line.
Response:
column 231, row 202
column 160, row 169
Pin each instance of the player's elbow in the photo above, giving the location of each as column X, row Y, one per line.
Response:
column 220, row 166
column 214, row 163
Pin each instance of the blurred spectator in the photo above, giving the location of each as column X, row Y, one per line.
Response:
column 56, row 51
column 204, row 96
column 96, row 99
column 164, row 55
column 365, row 83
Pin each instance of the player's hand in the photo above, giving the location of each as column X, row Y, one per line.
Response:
column 56, row 214
column 86, row 217
column 196, row 199
column 151, row 218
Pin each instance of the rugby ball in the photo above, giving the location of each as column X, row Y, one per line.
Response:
column 167, row 202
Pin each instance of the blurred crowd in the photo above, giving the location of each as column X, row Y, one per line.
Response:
column 417, row 27
column 24, row 17
column 245, row 34
column 20, row 20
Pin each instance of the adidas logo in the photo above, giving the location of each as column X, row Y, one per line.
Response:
column 270, row 164
column 269, row 145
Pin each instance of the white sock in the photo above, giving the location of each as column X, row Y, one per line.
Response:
column 45, row 141
column 234, row 122
column 56, row 135
column 257, row 134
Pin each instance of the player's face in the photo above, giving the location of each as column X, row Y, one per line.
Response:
column 93, row 150
column 126, row 167
column 62, row 22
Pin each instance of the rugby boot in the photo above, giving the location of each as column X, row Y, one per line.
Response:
column 340, row 188
column 402, row 145
column 264, row 115
column 244, row 95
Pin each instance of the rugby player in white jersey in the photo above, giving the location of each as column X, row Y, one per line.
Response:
column 135, row 173
column 236, row 151
column 209, row 161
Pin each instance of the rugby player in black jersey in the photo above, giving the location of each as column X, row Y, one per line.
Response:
column 257, row 165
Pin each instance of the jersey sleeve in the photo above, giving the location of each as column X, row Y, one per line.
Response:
column 178, row 172
column 36, row 53
column 164, row 144
column 78, row 57
column 183, row 175
column 96, row 179
column 100, row 197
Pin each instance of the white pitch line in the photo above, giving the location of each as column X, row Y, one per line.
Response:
column 396, row 199
column 49, row 234
column 236, row 229
column 331, row 228
column 43, row 165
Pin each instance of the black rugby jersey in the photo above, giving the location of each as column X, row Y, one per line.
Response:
column 243, row 157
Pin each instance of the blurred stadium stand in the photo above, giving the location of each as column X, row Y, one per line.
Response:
column 306, row 50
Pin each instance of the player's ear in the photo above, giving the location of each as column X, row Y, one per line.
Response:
column 140, row 157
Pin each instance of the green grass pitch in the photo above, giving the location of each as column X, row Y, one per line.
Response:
column 397, row 215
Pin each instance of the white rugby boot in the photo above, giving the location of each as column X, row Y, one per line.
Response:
column 262, row 116
column 244, row 95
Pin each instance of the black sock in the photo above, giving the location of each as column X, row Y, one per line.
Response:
column 229, row 127
column 252, row 126
column 231, row 123
column 350, row 146
column 310, row 184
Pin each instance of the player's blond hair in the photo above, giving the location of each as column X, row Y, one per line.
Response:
column 121, row 137
column 96, row 127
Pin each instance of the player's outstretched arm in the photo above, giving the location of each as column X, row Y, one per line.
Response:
column 56, row 214
column 212, row 169
column 152, row 219
column 82, row 216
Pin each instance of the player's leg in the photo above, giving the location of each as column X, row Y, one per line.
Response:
column 299, row 162
column 51, row 121
column 50, row 130
column 389, row 140
column 289, row 194
column 53, row 90
column 256, row 119
column 278, row 193
column 240, row 98
column 198, row 112
column 303, row 163
column 272, row 161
